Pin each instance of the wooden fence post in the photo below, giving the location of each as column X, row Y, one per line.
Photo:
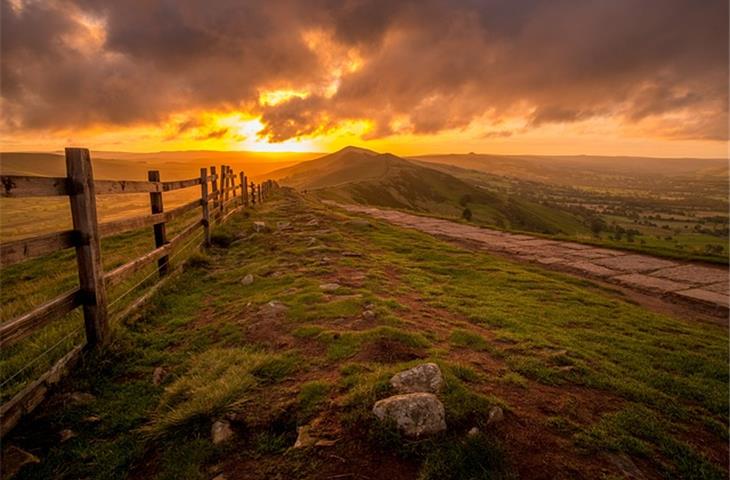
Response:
column 82, row 199
column 243, row 188
column 204, row 204
column 224, row 190
column 214, row 186
column 259, row 188
column 233, row 184
column 159, row 228
column 253, row 194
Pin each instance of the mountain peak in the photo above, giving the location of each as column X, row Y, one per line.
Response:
column 354, row 149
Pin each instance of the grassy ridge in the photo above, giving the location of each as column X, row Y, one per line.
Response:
column 587, row 374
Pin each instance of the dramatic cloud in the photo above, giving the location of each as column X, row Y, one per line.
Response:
column 411, row 66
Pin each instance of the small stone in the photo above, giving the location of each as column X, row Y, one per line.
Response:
column 325, row 443
column 14, row 458
column 304, row 439
column 473, row 432
column 415, row 414
column 220, row 431
column 496, row 415
column 259, row 226
column 158, row 375
column 421, row 378
column 66, row 435
column 247, row 280
column 329, row 287
column 92, row 419
column 274, row 307
column 359, row 223
column 282, row 225
column 368, row 314
column 81, row 398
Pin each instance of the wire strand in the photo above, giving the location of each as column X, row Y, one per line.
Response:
column 34, row 360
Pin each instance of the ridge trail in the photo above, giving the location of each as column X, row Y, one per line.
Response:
column 674, row 283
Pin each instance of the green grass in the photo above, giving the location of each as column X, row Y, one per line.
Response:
column 318, row 360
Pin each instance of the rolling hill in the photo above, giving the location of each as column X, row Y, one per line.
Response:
column 356, row 175
column 134, row 166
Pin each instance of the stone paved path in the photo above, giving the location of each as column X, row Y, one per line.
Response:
column 694, row 283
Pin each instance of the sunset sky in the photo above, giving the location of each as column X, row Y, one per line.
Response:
column 610, row 77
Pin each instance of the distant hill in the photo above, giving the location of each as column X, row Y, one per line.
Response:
column 584, row 170
column 134, row 166
column 357, row 175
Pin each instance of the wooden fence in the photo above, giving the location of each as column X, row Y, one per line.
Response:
column 220, row 195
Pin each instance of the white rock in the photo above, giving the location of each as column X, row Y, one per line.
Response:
column 259, row 226
column 496, row 415
column 247, row 280
column 304, row 439
column 329, row 287
column 220, row 431
column 473, row 432
column 415, row 414
column 421, row 378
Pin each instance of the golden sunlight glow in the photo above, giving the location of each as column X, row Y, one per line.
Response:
column 275, row 97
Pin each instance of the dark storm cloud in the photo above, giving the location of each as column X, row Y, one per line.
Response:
column 440, row 64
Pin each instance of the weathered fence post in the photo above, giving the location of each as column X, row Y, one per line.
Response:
column 82, row 198
column 159, row 228
column 242, row 179
column 214, row 186
column 204, row 204
column 253, row 194
column 233, row 183
column 245, row 190
column 259, row 188
column 224, row 190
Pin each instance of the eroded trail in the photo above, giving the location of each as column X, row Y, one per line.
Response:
column 688, row 283
column 299, row 315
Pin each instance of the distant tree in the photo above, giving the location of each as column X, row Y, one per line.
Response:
column 466, row 215
column 597, row 226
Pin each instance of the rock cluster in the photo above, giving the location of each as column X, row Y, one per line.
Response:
column 415, row 410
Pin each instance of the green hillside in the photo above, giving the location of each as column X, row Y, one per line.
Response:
column 355, row 175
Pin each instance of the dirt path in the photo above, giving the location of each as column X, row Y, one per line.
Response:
column 679, row 282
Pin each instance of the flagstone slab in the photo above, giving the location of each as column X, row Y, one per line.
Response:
column 694, row 274
column 722, row 287
column 648, row 283
column 704, row 296
column 592, row 269
column 634, row 263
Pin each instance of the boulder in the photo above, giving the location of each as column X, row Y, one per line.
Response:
column 247, row 280
column 220, row 431
column 421, row 378
column 415, row 414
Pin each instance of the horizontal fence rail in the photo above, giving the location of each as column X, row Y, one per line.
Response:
column 220, row 195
